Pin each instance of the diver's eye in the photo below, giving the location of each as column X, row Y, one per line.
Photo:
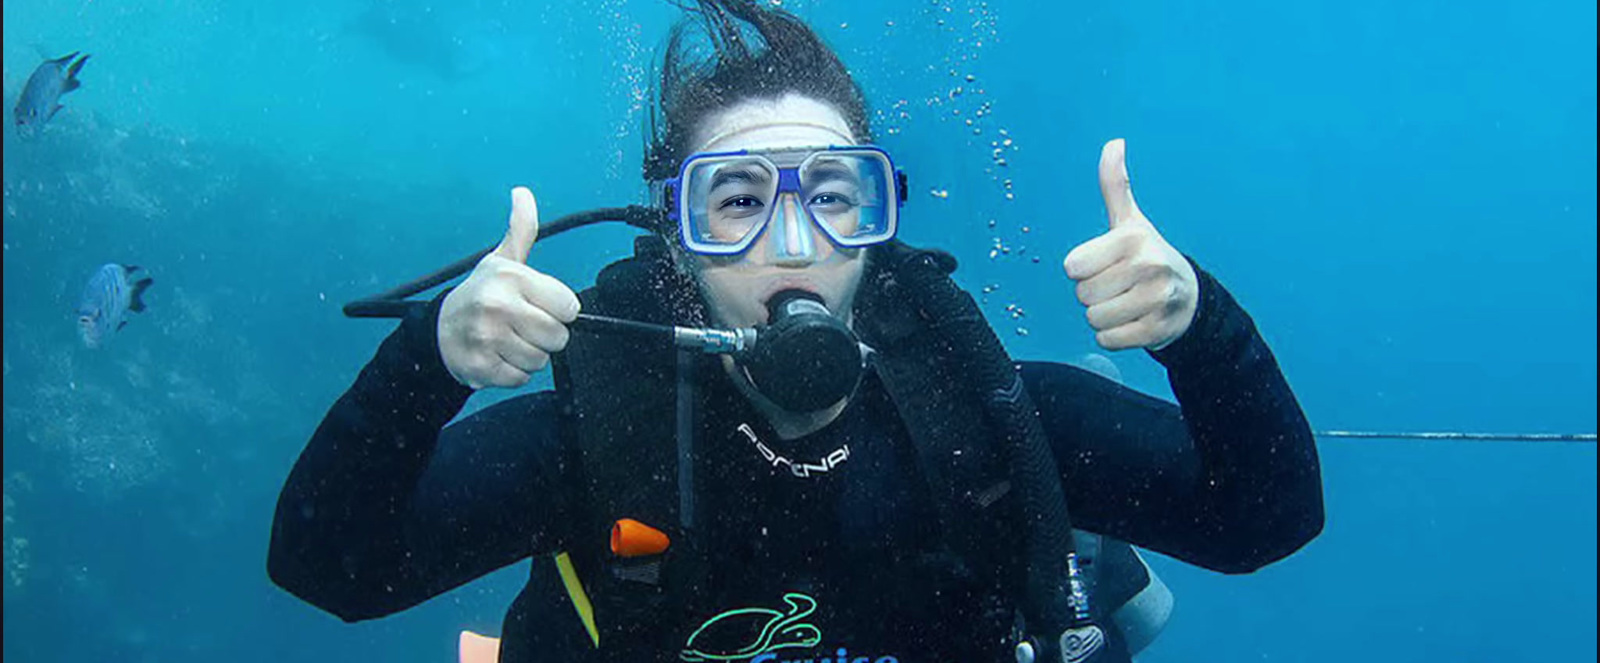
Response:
column 831, row 199
column 741, row 201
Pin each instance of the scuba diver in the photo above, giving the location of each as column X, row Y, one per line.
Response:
column 778, row 433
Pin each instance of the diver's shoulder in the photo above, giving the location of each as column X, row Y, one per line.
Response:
column 523, row 416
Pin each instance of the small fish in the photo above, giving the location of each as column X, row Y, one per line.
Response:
column 112, row 292
column 40, row 96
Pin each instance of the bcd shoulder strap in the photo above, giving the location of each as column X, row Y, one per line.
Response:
column 621, row 398
column 956, row 451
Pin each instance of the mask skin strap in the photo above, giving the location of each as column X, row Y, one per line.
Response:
column 846, row 138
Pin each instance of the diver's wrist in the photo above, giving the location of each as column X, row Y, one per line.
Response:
column 419, row 332
column 1205, row 329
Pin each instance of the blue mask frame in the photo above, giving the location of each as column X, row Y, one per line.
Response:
column 788, row 183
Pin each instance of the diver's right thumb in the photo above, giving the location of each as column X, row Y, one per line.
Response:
column 523, row 229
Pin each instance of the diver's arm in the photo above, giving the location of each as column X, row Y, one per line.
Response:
column 384, row 510
column 1228, row 479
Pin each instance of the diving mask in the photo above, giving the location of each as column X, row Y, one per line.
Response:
column 723, row 201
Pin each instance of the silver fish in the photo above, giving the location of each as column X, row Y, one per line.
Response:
column 111, row 294
column 41, row 95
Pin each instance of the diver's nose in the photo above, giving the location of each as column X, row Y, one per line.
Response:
column 793, row 241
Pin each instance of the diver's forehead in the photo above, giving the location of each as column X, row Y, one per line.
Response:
column 791, row 121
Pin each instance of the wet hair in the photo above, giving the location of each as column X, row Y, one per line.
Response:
column 756, row 53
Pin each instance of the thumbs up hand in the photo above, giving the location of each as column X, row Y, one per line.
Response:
column 502, row 323
column 1141, row 293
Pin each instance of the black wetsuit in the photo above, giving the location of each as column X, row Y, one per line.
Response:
column 387, row 507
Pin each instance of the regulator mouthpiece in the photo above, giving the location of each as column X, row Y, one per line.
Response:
column 805, row 359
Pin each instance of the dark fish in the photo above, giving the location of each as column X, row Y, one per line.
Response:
column 41, row 95
column 111, row 294
column 416, row 34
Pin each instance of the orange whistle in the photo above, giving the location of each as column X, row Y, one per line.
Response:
column 631, row 538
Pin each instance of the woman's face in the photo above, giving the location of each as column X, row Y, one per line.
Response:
column 736, row 288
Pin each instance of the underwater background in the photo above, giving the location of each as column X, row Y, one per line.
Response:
column 1402, row 195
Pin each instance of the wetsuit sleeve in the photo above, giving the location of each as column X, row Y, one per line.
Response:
column 387, row 507
column 1227, row 479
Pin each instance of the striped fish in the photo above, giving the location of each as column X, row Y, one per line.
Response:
column 111, row 294
column 41, row 95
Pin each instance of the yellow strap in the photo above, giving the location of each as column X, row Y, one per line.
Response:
column 580, row 598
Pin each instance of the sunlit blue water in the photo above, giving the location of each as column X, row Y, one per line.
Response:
column 1401, row 194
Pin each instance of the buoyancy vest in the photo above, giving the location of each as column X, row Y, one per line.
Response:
column 631, row 423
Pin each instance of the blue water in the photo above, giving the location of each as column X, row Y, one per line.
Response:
column 1401, row 194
